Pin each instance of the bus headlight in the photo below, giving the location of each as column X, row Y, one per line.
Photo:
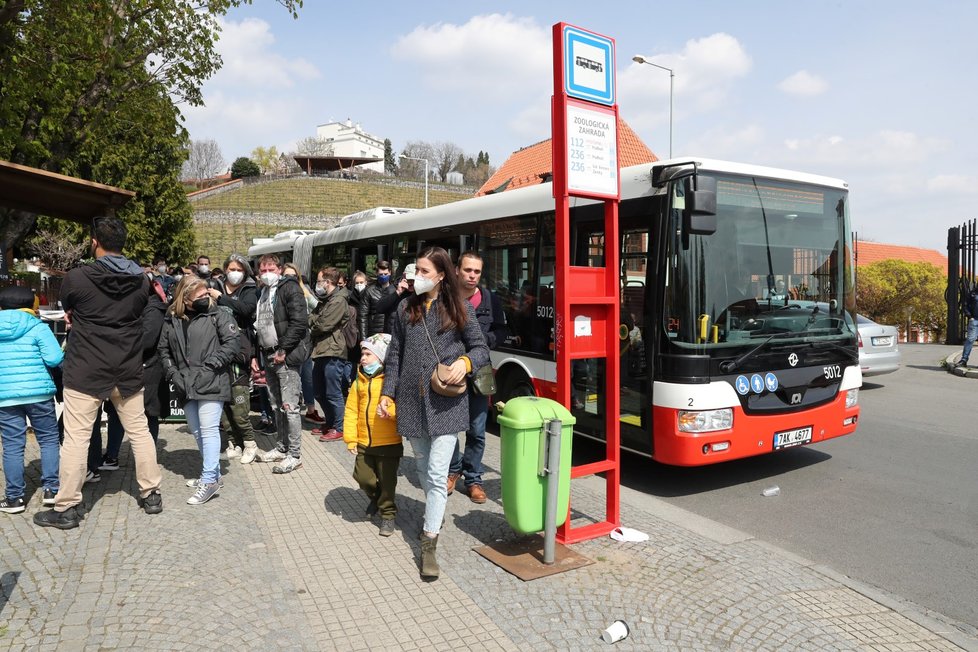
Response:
column 852, row 397
column 705, row 420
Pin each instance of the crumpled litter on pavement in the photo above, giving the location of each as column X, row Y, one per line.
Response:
column 628, row 535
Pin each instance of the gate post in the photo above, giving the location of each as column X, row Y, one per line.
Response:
column 951, row 294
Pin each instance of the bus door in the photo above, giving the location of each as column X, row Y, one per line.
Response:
column 587, row 376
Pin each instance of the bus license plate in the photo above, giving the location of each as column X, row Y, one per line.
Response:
column 790, row 438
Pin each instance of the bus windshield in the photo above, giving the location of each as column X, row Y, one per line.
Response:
column 779, row 264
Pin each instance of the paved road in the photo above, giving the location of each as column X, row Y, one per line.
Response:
column 895, row 505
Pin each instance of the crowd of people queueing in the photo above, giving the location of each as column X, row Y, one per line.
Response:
column 137, row 333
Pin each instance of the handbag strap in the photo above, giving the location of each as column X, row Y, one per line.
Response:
column 430, row 341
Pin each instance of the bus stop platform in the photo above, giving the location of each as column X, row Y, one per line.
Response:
column 290, row 562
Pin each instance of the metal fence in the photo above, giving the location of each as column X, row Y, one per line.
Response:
column 962, row 254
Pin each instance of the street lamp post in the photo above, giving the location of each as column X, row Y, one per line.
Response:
column 425, row 175
column 638, row 58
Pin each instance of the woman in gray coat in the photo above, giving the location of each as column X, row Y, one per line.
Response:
column 197, row 345
column 431, row 421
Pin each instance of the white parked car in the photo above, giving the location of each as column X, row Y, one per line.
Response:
column 878, row 350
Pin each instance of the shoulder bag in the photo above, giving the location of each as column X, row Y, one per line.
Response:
column 439, row 386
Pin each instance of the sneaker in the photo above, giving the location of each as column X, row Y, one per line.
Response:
column 65, row 520
column 331, row 435
column 386, row 527
column 961, row 363
column 92, row 477
column 274, row 455
column 204, row 493
column 249, row 452
column 233, row 452
column 12, row 505
column 288, row 465
column 47, row 498
column 109, row 464
column 196, row 482
column 452, row 479
column 153, row 503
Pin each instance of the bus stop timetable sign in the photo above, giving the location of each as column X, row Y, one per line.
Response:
column 589, row 61
column 592, row 150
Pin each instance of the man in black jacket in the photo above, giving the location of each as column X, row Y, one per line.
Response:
column 492, row 321
column 104, row 303
column 282, row 333
column 372, row 318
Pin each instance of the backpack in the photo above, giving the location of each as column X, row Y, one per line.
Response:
column 351, row 329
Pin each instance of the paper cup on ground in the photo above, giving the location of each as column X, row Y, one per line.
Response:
column 617, row 631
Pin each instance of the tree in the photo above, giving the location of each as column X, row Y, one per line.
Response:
column 446, row 155
column 416, row 149
column 897, row 292
column 390, row 163
column 267, row 159
column 57, row 250
column 204, row 161
column 91, row 89
column 244, row 167
column 314, row 146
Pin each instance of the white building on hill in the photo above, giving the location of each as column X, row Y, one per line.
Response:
column 348, row 139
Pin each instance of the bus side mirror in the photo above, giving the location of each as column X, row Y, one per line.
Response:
column 700, row 214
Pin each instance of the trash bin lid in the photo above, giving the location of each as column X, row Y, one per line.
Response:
column 530, row 412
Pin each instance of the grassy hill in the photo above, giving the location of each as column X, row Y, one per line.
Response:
column 228, row 221
column 323, row 196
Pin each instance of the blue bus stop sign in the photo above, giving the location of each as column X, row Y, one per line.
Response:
column 589, row 66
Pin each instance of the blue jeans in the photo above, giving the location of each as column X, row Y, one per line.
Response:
column 308, row 389
column 432, row 455
column 13, row 432
column 470, row 465
column 204, row 421
column 333, row 376
column 969, row 338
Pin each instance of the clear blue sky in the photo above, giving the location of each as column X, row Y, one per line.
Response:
column 882, row 95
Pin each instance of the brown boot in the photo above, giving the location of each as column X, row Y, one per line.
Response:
column 429, row 565
column 452, row 479
column 476, row 494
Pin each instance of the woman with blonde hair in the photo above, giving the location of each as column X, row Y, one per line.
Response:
column 197, row 346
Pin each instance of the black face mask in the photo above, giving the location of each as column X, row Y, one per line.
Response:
column 201, row 305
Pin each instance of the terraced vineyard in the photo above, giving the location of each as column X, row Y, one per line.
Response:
column 229, row 221
column 328, row 197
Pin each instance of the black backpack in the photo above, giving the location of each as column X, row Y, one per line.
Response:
column 351, row 329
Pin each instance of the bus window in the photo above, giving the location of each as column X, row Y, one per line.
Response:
column 509, row 249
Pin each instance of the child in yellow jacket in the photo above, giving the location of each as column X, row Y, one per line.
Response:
column 371, row 437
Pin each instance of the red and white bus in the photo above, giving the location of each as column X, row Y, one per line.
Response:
column 735, row 341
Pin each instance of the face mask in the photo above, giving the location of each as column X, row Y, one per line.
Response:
column 383, row 278
column 372, row 368
column 321, row 291
column 422, row 284
column 161, row 270
column 177, row 277
column 360, row 287
column 202, row 304
column 203, row 269
column 235, row 278
column 269, row 278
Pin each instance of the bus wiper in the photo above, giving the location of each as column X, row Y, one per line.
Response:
column 728, row 366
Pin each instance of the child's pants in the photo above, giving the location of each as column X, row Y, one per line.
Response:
column 376, row 472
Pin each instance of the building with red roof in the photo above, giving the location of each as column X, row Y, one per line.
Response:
column 532, row 165
column 868, row 253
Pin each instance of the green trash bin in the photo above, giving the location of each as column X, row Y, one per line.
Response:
column 522, row 429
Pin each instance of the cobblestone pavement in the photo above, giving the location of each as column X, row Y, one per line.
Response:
column 290, row 562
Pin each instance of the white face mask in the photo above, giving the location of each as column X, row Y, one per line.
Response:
column 360, row 287
column 235, row 278
column 423, row 285
column 321, row 290
column 269, row 278
column 161, row 270
column 203, row 269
